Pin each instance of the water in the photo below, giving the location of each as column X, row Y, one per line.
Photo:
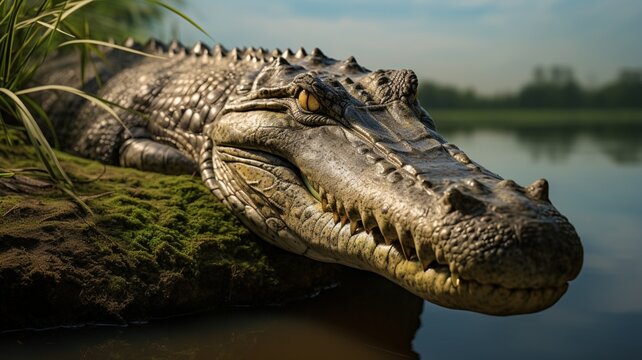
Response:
column 595, row 179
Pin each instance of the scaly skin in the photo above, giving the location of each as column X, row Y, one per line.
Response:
column 352, row 171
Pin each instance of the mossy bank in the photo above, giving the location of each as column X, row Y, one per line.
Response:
column 155, row 246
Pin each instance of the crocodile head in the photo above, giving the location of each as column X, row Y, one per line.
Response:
column 332, row 161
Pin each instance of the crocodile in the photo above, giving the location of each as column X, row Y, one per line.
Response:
column 330, row 160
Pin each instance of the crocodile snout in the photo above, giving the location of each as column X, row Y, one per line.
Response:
column 517, row 255
column 495, row 232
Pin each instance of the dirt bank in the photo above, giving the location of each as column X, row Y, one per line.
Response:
column 156, row 245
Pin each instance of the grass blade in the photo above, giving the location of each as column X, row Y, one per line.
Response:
column 73, row 7
column 5, row 130
column 7, row 50
column 55, row 28
column 43, row 115
column 111, row 45
column 31, row 31
column 41, row 145
column 76, row 198
column 93, row 99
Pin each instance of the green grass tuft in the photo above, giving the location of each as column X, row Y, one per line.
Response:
column 31, row 31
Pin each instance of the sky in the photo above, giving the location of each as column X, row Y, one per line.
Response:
column 491, row 46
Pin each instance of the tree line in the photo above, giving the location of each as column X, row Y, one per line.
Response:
column 552, row 87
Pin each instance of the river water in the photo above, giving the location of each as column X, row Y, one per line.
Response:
column 595, row 179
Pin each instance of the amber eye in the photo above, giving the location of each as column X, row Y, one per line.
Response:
column 308, row 102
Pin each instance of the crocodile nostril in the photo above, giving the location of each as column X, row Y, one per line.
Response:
column 538, row 190
column 455, row 200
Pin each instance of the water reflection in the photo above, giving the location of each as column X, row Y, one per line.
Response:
column 595, row 184
column 599, row 195
column 621, row 144
column 366, row 318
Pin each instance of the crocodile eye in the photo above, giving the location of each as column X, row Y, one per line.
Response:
column 308, row 102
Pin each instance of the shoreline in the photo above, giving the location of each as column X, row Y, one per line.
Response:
column 516, row 118
column 156, row 246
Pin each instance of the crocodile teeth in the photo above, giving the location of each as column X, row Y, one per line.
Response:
column 353, row 214
column 369, row 221
column 344, row 219
column 378, row 226
column 324, row 205
column 354, row 226
column 407, row 243
column 341, row 209
column 454, row 278
column 388, row 230
column 426, row 255
column 439, row 255
column 331, row 202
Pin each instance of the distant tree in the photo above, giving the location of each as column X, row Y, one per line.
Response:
column 625, row 91
column 433, row 94
column 554, row 87
column 539, row 75
column 550, row 87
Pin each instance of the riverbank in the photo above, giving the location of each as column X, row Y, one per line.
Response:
column 516, row 119
column 156, row 246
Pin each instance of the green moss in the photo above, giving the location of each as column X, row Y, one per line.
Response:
column 117, row 284
column 155, row 245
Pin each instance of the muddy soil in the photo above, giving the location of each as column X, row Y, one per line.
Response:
column 154, row 246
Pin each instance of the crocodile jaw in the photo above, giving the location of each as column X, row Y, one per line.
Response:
column 473, row 259
column 439, row 282
column 415, row 241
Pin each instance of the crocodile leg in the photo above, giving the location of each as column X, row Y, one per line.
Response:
column 149, row 155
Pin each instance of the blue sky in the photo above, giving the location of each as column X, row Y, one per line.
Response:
column 490, row 45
